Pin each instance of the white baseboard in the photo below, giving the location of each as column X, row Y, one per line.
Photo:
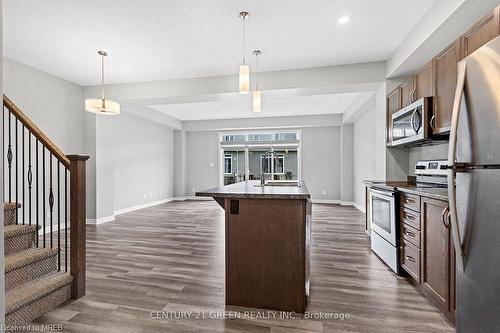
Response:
column 54, row 228
column 347, row 203
column 101, row 220
column 359, row 207
column 146, row 205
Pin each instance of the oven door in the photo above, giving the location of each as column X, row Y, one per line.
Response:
column 383, row 215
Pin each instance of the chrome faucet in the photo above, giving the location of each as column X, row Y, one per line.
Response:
column 266, row 154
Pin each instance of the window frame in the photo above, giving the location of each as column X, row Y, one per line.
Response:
column 230, row 156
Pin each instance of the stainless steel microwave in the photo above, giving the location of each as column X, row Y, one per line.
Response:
column 410, row 126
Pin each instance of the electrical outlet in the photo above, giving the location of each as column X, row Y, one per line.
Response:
column 212, row 164
column 194, row 190
column 151, row 194
column 323, row 192
column 144, row 195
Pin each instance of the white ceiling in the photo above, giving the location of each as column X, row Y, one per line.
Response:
column 158, row 39
column 273, row 105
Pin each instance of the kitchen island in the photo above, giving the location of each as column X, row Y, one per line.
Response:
column 267, row 244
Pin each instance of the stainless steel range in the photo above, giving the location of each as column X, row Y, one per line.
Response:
column 384, row 208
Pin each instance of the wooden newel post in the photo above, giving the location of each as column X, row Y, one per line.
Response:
column 77, row 224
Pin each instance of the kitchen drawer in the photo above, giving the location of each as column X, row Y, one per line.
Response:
column 410, row 217
column 410, row 234
column 410, row 259
column 410, row 201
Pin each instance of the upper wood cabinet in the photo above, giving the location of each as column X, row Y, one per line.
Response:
column 407, row 92
column 445, row 81
column 482, row 32
column 437, row 255
column 424, row 85
column 393, row 104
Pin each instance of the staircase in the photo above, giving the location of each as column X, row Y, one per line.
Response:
column 40, row 210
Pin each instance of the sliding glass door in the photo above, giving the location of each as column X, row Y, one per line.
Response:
column 243, row 156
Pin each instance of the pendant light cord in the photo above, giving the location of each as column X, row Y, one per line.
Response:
column 102, row 77
column 257, row 72
column 244, row 38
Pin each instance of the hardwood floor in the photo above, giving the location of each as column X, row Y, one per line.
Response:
column 170, row 258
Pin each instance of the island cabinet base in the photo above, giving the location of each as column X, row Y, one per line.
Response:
column 266, row 253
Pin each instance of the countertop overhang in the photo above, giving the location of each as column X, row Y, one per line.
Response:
column 250, row 190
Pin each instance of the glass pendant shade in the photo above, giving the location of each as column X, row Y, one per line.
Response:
column 102, row 106
column 256, row 101
column 244, row 79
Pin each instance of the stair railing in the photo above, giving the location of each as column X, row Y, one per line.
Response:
column 50, row 188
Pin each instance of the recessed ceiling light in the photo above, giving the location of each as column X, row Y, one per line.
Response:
column 344, row 19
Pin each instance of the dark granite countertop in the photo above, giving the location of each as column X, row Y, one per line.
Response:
column 439, row 193
column 249, row 190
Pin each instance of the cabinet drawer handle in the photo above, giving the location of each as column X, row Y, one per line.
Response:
column 410, row 258
column 411, row 217
column 444, row 217
column 433, row 121
column 409, row 200
column 411, row 234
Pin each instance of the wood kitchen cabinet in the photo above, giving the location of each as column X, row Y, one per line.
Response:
column 393, row 104
column 482, row 32
column 437, row 277
column 445, row 80
column 407, row 92
column 424, row 85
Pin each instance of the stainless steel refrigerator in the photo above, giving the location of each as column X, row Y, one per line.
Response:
column 474, row 190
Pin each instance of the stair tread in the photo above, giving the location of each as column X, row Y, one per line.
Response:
column 27, row 257
column 18, row 230
column 11, row 206
column 33, row 290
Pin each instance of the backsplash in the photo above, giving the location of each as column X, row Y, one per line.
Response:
column 427, row 153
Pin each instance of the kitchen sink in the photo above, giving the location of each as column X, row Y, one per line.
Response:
column 281, row 183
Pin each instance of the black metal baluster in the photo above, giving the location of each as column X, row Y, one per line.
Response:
column 58, row 217
column 30, row 178
column 65, row 219
column 9, row 161
column 3, row 145
column 37, row 188
column 43, row 193
column 51, row 198
column 22, row 186
column 17, row 168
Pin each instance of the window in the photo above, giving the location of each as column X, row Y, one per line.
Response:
column 233, row 137
column 260, row 137
column 278, row 164
column 228, row 164
column 285, row 136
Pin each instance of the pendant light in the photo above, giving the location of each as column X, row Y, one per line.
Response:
column 102, row 106
column 244, row 79
column 256, row 94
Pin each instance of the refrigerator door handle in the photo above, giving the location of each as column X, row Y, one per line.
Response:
column 455, row 231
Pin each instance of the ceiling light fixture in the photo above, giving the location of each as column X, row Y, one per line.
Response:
column 244, row 79
column 257, row 102
column 344, row 19
column 102, row 106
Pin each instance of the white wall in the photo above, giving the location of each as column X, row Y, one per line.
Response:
column 364, row 155
column 53, row 104
column 143, row 162
column 320, row 161
column 202, row 163
column 2, row 256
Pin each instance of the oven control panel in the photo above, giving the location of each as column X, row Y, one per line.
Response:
column 431, row 168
